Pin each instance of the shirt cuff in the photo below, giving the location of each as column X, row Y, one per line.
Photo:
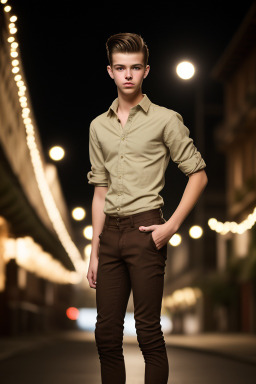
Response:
column 97, row 179
column 192, row 165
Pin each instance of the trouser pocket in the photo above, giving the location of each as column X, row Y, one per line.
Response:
column 103, row 230
column 162, row 250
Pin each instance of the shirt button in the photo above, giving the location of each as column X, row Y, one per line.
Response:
column 119, row 177
column 118, row 209
column 121, row 156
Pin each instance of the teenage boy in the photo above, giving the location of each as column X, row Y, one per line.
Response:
column 130, row 147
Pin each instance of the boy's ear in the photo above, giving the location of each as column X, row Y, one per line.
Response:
column 146, row 71
column 109, row 69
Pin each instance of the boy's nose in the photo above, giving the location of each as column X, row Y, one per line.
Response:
column 128, row 75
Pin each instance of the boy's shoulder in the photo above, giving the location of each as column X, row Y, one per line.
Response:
column 165, row 112
column 100, row 118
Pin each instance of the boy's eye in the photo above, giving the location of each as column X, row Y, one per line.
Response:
column 121, row 68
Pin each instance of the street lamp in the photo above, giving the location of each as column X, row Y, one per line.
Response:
column 196, row 232
column 78, row 213
column 185, row 70
column 56, row 153
column 88, row 232
column 175, row 240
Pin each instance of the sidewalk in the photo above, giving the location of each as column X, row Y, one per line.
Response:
column 14, row 345
column 240, row 347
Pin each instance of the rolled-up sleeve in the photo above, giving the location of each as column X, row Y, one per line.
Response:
column 98, row 175
column 182, row 149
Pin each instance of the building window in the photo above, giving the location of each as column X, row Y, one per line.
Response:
column 238, row 168
column 254, row 157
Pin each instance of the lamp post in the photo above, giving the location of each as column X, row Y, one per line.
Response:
column 186, row 71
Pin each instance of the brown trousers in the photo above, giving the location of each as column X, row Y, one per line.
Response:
column 129, row 260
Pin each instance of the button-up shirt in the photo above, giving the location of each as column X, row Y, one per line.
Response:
column 131, row 160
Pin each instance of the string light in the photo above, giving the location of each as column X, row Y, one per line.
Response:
column 183, row 298
column 30, row 256
column 15, row 63
column 17, row 78
column 13, row 19
column 38, row 166
column 7, row 8
column 224, row 228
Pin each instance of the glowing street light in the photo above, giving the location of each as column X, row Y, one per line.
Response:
column 78, row 213
column 56, row 153
column 88, row 232
column 87, row 251
column 175, row 240
column 185, row 70
column 196, row 232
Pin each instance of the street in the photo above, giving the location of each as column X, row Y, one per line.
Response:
column 74, row 360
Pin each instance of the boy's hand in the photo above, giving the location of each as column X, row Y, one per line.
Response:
column 92, row 271
column 161, row 233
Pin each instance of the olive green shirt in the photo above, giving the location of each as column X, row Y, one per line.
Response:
column 132, row 161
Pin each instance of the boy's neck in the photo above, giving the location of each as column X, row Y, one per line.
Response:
column 126, row 102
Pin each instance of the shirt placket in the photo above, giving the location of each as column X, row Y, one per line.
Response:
column 121, row 158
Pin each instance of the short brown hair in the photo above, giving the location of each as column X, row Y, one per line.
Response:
column 126, row 42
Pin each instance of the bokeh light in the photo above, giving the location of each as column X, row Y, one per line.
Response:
column 175, row 240
column 185, row 70
column 88, row 232
column 78, row 213
column 196, row 232
column 72, row 313
column 56, row 153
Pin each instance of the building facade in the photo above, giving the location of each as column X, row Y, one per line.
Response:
column 236, row 138
column 37, row 255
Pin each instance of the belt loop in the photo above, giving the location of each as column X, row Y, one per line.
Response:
column 132, row 222
column 162, row 215
column 107, row 219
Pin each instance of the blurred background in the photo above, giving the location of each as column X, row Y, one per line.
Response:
column 53, row 82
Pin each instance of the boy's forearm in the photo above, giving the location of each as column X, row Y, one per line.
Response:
column 194, row 188
column 98, row 218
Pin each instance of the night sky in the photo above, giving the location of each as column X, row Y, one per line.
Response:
column 64, row 58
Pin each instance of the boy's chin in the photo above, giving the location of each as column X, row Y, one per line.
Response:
column 129, row 91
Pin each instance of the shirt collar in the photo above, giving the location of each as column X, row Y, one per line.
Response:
column 144, row 104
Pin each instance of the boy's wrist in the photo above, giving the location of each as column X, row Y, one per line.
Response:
column 172, row 226
column 94, row 255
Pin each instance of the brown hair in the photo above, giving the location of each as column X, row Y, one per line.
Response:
column 126, row 42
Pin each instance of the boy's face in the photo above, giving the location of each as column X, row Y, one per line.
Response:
column 128, row 71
